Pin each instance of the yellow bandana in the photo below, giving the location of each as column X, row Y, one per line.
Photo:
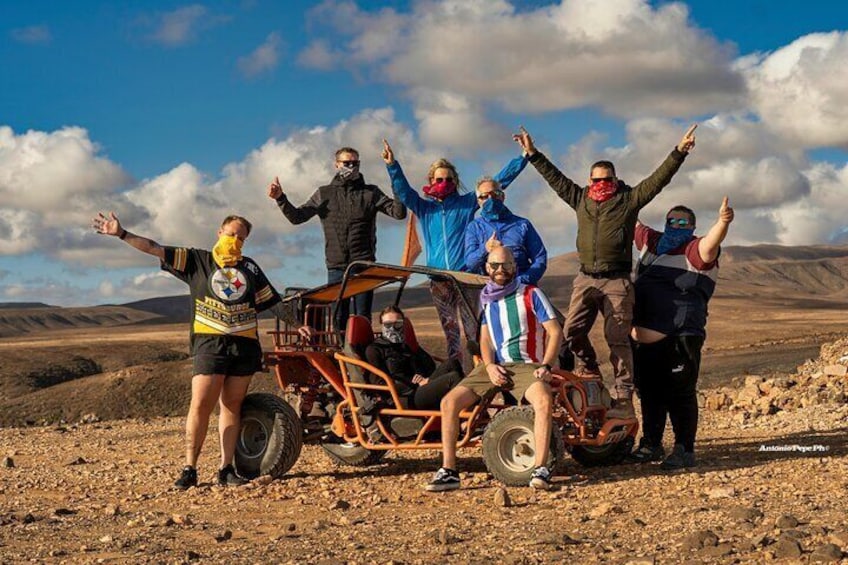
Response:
column 227, row 252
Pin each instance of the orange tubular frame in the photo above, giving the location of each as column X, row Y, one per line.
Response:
column 432, row 416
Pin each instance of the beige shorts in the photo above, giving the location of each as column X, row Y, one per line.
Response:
column 521, row 373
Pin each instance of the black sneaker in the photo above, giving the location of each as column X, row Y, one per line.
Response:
column 541, row 478
column 187, row 479
column 227, row 477
column 678, row 459
column 646, row 453
column 444, row 479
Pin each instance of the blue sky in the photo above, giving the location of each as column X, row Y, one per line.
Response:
column 175, row 114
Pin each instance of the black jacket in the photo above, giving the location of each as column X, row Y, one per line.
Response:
column 399, row 362
column 348, row 213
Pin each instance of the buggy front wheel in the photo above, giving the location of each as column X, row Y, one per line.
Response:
column 270, row 437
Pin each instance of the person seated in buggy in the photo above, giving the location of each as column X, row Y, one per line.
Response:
column 416, row 376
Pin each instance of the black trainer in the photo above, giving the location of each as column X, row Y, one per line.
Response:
column 646, row 453
column 187, row 479
column 444, row 479
column 227, row 477
column 679, row 458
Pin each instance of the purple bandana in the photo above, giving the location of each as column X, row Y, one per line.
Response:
column 493, row 291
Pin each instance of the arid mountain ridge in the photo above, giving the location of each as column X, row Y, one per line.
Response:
column 805, row 273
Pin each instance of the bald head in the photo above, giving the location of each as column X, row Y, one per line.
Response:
column 500, row 265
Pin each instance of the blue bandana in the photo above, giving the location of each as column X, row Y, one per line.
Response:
column 494, row 209
column 672, row 238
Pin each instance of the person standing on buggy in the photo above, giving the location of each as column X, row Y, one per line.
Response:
column 414, row 372
column 228, row 291
column 445, row 213
column 347, row 208
column 496, row 226
column 606, row 211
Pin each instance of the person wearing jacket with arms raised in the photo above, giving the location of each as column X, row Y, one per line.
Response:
column 444, row 214
column 607, row 210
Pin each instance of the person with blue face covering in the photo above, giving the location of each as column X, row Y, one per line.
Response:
column 444, row 212
column 675, row 279
column 497, row 226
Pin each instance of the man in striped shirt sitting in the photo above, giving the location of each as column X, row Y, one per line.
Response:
column 519, row 340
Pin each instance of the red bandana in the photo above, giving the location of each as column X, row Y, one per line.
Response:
column 440, row 190
column 602, row 191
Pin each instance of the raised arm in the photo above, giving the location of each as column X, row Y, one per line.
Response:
column 650, row 187
column 292, row 213
column 710, row 244
column 403, row 192
column 538, row 255
column 112, row 226
column 566, row 189
column 511, row 171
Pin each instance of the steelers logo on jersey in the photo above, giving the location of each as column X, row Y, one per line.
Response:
column 228, row 284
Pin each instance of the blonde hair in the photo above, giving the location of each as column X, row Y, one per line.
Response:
column 443, row 164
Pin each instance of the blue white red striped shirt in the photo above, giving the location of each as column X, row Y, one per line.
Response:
column 515, row 325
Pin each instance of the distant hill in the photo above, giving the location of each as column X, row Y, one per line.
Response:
column 171, row 308
column 28, row 320
column 19, row 305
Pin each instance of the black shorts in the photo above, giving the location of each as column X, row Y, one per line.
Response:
column 226, row 355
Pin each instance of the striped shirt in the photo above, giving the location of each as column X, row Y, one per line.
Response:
column 672, row 289
column 515, row 325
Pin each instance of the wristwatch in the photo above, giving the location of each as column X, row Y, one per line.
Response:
column 547, row 367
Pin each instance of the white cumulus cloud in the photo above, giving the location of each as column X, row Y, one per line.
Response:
column 801, row 90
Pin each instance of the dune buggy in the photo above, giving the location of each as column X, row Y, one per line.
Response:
column 327, row 391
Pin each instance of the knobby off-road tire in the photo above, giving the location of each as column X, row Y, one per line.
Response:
column 596, row 456
column 353, row 454
column 509, row 447
column 270, row 437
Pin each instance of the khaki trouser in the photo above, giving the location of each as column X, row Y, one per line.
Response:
column 614, row 298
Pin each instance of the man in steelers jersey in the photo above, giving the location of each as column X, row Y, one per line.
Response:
column 228, row 291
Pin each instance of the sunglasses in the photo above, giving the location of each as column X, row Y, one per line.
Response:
column 602, row 179
column 505, row 266
column 680, row 222
column 442, row 179
column 492, row 194
column 396, row 325
column 350, row 163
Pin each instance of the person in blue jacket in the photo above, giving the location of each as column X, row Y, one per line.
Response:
column 497, row 226
column 444, row 214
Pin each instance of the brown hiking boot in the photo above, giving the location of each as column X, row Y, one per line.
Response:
column 622, row 408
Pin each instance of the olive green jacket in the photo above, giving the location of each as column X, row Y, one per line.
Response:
column 605, row 230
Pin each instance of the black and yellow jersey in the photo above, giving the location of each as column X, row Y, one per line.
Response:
column 226, row 299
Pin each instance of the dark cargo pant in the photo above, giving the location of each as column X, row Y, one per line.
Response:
column 613, row 298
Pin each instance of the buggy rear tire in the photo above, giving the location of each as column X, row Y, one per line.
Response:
column 270, row 437
column 353, row 454
column 509, row 447
column 596, row 456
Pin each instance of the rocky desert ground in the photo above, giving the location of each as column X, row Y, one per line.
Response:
column 92, row 439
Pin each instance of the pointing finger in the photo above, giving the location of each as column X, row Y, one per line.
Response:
column 691, row 130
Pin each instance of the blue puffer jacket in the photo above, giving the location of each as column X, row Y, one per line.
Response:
column 514, row 232
column 443, row 223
